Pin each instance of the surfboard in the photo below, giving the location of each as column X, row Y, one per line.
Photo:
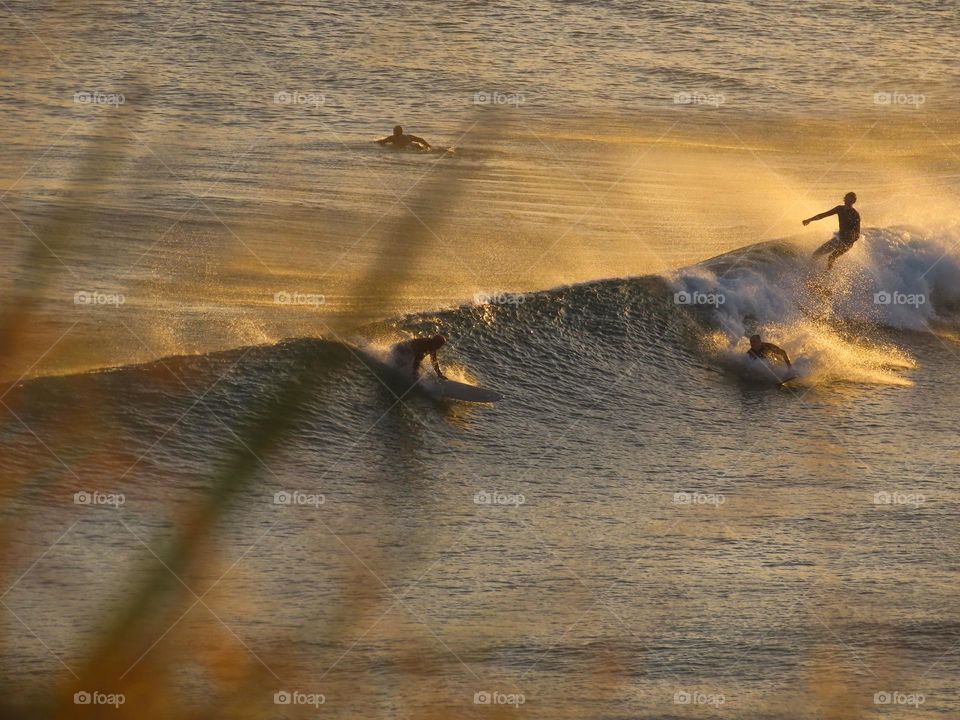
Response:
column 453, row 390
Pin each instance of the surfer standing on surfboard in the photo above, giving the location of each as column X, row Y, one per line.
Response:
column 401, row 140
column 849, row 231
column 410, row 353
column 766, row 351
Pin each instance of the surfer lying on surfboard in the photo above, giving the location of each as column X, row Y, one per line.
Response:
column 401, row 140
column 766, row 351
column 848, row 233
column 410, row 353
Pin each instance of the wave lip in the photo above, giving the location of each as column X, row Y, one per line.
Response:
column 894, row 279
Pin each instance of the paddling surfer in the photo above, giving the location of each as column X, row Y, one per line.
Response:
column 402, row 140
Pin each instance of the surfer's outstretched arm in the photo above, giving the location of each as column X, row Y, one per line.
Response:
column 436, row 365
column 420, row 140
column 384, row 141
column 821, row 216
column 782, row 354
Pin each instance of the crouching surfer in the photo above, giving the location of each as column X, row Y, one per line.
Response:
column 410, row 353
column 767, row 351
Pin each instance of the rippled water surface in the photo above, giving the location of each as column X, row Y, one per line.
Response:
column 214, row 491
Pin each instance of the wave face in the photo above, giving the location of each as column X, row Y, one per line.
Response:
column 892, row 277
column 893, row 280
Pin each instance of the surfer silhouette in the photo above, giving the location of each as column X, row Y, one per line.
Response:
column 767, row 351
column 410, row 353
column 401, row 140
column 846, row 236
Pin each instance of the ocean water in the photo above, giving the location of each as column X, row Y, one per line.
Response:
column 200, row 282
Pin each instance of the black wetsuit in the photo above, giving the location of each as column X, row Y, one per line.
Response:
column 405, row 141
column 413, row 352
column 849, row 223
column 419, row 348
column 769, row 351
column 846, row 236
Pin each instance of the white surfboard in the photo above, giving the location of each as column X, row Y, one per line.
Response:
column 453, row 390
